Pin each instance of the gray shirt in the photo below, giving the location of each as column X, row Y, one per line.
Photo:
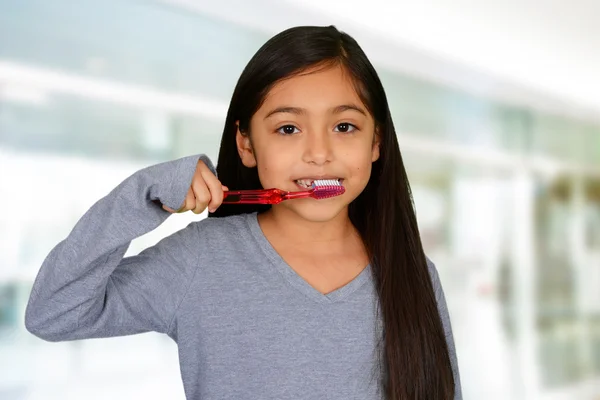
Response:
column 246, row 325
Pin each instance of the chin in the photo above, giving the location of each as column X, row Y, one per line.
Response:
column 317, row 210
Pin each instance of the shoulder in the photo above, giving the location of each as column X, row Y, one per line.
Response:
column 433, row 274
column 223, row 226
column 431, row 267
column 226, row 242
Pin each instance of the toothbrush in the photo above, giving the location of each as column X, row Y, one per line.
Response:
column 321, row 189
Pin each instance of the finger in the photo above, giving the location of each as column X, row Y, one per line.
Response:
column 169, row 209
column 190, row 202
column 214, row 186
column 216, row 192
column 201, row 194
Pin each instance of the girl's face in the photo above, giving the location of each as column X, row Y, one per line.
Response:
column 312, row 126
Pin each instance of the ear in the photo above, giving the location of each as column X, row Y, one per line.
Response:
column 375, row 148
column 244, row 147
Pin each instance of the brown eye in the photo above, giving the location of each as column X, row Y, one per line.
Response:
column 345, row 127
column 287, row 130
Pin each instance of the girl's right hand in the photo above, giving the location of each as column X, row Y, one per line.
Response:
column 205, row 191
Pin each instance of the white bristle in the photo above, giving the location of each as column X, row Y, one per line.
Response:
column 326, row 182
column 325, row 188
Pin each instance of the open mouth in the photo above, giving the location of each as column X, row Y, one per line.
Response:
column 306, row 183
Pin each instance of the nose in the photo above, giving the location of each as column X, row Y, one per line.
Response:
column 317, row 148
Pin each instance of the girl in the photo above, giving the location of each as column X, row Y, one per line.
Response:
column 306, row 299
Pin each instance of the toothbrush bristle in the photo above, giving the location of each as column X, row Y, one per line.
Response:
column 325, row 188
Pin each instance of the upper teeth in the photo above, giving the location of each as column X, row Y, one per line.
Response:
column 309, row 182
column 305, row 182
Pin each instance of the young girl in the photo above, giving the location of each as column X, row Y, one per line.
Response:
column 306, row 299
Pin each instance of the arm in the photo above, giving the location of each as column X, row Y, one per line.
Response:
column 445, row 317
column 87, row 289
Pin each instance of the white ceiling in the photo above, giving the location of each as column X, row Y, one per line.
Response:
column 546, row 46
column 540, row 53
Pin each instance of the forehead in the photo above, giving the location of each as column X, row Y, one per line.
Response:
column 314, row 89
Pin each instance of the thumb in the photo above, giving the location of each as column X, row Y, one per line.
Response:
column 168, row 209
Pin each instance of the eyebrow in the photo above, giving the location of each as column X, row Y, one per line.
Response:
column 346, row 107
column 302, row 111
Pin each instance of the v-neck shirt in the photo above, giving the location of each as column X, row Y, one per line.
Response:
column 246, row 324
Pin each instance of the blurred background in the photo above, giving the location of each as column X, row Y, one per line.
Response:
column 497, row 108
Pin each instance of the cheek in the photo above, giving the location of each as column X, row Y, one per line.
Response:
column 362, row 171
column 273, row 165
column 360, row 163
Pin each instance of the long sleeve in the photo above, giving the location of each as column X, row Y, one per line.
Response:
column 445, row 317
column 87, row 289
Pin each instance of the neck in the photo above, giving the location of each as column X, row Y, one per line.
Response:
column 316, row 236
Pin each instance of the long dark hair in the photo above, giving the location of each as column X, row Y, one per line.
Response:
column 414, row 353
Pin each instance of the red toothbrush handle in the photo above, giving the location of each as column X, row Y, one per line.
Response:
column 274, row 196
column 264, row 196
